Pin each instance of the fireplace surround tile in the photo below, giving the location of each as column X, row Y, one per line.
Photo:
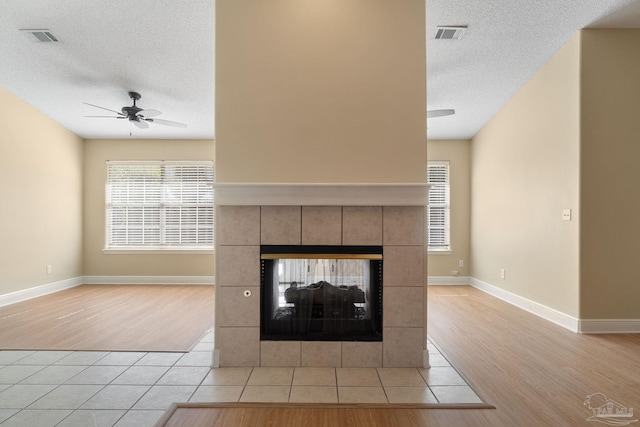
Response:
column 238, row 225
column 238, row 310
column 280, row 353
column 241, row 346
column 236, row 266
column 321, row 353
column 403, row 306
column 280, row 225
column 361, row 354
column 362, row 225
column 403, row 225
column 403, row 266
column 321, row 225
column 402, row 347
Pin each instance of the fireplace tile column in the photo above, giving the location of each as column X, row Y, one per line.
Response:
column 242, row 228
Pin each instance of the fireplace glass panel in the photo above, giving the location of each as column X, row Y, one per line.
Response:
column 322, row 299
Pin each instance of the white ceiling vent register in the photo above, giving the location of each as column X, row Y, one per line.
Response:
column 450, row 32
column 40, row 36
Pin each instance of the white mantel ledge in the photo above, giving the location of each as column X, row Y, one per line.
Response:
column 321, row 194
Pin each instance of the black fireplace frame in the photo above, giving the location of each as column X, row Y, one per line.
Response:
column 365, row 330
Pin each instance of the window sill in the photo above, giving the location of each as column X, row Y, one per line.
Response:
column 157, row 251
column 440, row 252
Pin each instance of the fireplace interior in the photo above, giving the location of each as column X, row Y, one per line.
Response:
column 321, row 293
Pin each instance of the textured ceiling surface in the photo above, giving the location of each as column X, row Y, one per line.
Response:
column 165, row 51
column 162, row 49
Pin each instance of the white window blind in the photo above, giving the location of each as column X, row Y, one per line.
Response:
column 159, row 205
column 438, row 208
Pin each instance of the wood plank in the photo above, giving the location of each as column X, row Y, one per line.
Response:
column 534, row 372
column 110, row 318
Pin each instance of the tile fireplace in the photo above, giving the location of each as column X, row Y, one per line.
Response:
column 323, row 247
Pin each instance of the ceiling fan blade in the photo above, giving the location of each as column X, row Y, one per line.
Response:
column 140, row 123
column 108, row 109
column 440, row 113
column 109, row 117
column 150, row 113
column 167, row 123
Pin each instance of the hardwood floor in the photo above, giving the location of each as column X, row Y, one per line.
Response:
column 110, row 318
column 534, row 372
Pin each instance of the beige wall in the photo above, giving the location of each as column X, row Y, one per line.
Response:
column 610, row 178
column 41, row 192
column 97, row 263
column 330, row 91
column 458, row 153
column 525, row 171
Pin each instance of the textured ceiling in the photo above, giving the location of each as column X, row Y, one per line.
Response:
column 164, row 50
column 505, row 44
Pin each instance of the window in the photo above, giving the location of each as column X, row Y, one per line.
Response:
column 438, row 208
column 159, row 205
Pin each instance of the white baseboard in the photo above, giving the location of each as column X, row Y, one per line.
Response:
column 448, row 280
column 149, row 280
column 569, row 322
column 38, row 291
column 609, row 326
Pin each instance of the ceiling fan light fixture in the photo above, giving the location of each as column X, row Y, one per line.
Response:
column 450, row 32
column 40, row 36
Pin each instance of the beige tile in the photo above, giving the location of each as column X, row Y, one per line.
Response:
column 227, row 376
column 455, row 394
column 403, row 225
column 403, row 266
column 410, row 395
column 358, row 377
column 237, row 309
column 402, row 348
column 238, row 225
column 321, row 353
column 280, row 353
column 280, row 225
column 361, row 395
column 314, row 376
column 321, row 225
column 271, row 376
column 265, row 393
column 401, row 377
column 403, row 306
column 217, row 393
column 238, row 346
column 362, row 225
column 313, row 394
column 438, row 360
column 238, row 266
column 441, row 375
column 432, row 348
column 361, row 354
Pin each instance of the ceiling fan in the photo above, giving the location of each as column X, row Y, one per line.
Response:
column 440, row 113
column 138, row 116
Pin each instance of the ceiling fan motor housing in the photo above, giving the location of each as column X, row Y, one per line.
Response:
column 131, row 112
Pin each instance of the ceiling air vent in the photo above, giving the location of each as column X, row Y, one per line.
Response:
column 41, row 36
column 450, row 32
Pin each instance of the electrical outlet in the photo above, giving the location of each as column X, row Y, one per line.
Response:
column 502, row 273
column 566, row 214
column 48, row 269
column 461, row 263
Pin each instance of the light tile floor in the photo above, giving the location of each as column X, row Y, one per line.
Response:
column 103, row 389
